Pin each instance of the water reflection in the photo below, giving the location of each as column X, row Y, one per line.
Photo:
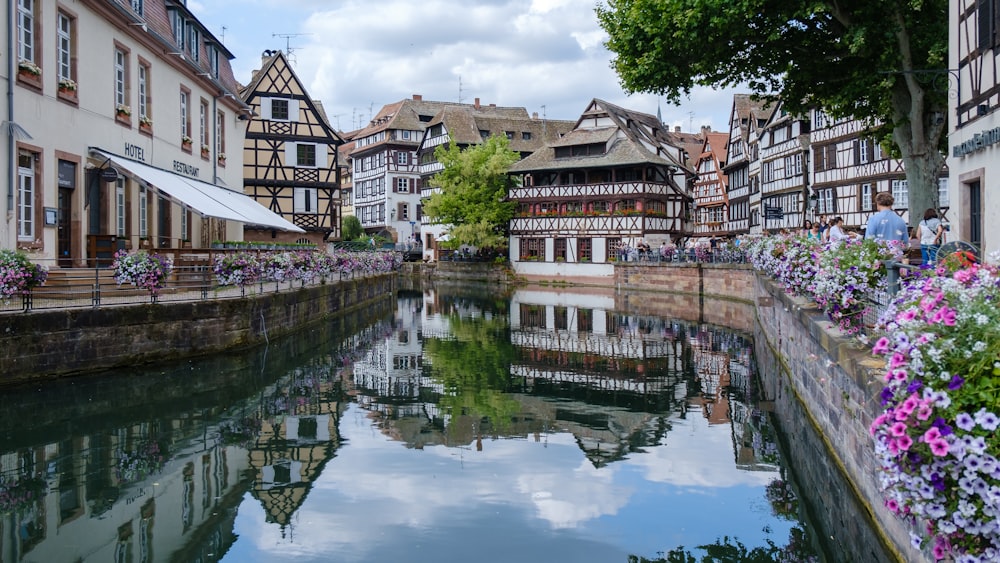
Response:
column 458, row 426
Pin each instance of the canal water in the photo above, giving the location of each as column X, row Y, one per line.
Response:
column 438, row 426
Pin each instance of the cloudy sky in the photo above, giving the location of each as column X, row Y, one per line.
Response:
column 356, row 56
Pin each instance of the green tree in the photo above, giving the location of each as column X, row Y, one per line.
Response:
column 350, row 228
column 473, row 193
column 882, row 62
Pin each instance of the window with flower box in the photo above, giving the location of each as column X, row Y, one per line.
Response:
column 185, row 121
column 122, row 109
column 559, row 248
column 220, row 136
column 203, row 127
column 26, row 31
column 584, row 250
column 532, row 249
column 65, row 48
column 145, row 111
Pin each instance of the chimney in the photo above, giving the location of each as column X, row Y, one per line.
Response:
column 476, row 104
column 677, row 128
column 706, row 128
column 534, row 115
column 418, row 98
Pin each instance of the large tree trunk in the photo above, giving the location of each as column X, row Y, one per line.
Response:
column 918, row 123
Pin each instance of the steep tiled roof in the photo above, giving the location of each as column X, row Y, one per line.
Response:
column 632, row 138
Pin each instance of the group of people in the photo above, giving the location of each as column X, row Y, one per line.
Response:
column 885, row 224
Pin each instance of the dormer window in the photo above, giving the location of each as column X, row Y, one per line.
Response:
column 137, row 7
column 193, row 44
column 177, row 26
column 484, row 133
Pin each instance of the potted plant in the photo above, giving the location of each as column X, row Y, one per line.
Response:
column 28, row 69
column 145, row 122
column 204, row 150
column 142, row 269
column 67, row 86
column 186, row 142
column 123, row 111
column 18, row 274
column 222, row 158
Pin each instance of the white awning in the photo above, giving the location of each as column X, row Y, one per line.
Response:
column 206, row 199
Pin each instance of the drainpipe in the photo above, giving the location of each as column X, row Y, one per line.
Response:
column 11, row 171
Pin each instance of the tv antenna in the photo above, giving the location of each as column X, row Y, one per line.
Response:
column 459, row 88
column 288, row 43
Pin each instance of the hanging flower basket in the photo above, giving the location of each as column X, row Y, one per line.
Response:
column 142, row 269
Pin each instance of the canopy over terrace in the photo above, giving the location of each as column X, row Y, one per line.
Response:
column 206, row 199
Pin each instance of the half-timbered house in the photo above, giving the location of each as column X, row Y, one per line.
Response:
column 468, row 125
column 849, row 168
column 120, row 117
column 784, row 170
column 344, row 164
column 386, row 171
column 741, row 154
column 710, row 187
column 611, row 181
column 290, row 153
column 974, row 140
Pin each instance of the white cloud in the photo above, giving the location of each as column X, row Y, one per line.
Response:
column 357, row 56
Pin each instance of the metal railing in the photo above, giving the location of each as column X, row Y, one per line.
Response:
column 878, row 301
column 96, row 287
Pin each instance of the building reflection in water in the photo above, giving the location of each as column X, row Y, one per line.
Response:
column 449, row 370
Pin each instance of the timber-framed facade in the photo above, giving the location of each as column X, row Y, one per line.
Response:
column 290, row 154
column 469, row 125
column 850, row 167
column 741, row 157
column 610, row 182
column 711, row 187
column 784, row 170
column 974, row 122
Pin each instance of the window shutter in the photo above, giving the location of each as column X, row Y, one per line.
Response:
column 819, row 159
column 871, row 150
column 321, row 156
column 265, row 108
column 299, row 199
column 417, row 185
column 291, row 154
column 986, row 14
column 399, row 209
column 857, row 152
column 293, row 111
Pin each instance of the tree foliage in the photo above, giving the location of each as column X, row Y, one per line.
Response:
column 350, row 228
column 473, row 193
column 882, row 62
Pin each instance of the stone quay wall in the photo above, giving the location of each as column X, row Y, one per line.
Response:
column 48, row 344
column 837, row 381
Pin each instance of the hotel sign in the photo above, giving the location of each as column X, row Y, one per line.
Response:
column 978, row 142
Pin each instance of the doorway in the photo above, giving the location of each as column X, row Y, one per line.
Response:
column 65, row 232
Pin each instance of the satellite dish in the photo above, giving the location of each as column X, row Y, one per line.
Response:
column 963, row 251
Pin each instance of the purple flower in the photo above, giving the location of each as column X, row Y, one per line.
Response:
column 914, row 386
column 964, row 421
column 987, row 420
column 956, row 383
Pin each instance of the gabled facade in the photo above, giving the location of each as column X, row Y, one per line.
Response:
column 711, row 187
column 97, row 162
column 758, row 122
column 974, row 123
column 612, row 180
column 469, row 125
column 741, row 154
column 290, row 153
column 784, row 170
column 386, row 172
column 849, row 168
